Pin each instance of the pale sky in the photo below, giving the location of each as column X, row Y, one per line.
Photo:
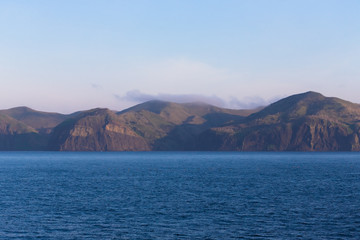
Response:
column 69, row 55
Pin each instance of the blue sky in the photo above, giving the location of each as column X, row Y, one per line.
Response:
column 69, row 55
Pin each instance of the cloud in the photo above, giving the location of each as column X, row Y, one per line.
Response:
column 96, row 86
column 247, row 102
column 136, row 96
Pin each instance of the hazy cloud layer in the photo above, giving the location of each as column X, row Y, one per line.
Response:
column 136, row 96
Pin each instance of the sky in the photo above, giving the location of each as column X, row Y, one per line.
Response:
column 70, row 55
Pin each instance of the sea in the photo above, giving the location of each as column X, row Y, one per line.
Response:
column 179, row 195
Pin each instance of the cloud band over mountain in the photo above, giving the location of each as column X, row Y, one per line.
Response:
column 136, row 96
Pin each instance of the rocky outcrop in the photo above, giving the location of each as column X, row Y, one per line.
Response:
column 96, row 130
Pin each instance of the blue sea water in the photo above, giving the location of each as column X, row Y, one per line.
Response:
column 173, row 195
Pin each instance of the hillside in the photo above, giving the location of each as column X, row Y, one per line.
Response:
column 15, row 135
column 95, row 130
column 174, row 126
column 41, row 121
column 302, row 122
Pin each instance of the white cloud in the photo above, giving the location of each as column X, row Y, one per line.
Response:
column 136, row 96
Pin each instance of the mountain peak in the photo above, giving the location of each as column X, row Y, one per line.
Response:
column 308, row 104
column 96, row 111
column 36, row 119
column 310, row 95
column 155, row 106
column 19, row 110
column 306, row 96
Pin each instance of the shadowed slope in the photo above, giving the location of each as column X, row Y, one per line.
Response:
column 174, row 126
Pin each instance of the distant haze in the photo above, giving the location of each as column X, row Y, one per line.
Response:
column 70, row 55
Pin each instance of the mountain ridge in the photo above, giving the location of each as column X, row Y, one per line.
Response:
column 41, row 121
column 302, row 122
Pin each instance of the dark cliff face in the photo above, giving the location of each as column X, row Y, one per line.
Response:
column 303, row 122
column 96, row 130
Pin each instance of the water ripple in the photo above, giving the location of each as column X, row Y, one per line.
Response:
column 179, row 196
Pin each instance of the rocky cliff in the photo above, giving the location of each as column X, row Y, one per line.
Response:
column 96, row 130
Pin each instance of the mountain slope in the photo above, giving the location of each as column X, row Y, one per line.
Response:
column 41, row 121
column 15, row 135
column 95, row 130
column 302, row 122
column 154, row 125
column 174, row 126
